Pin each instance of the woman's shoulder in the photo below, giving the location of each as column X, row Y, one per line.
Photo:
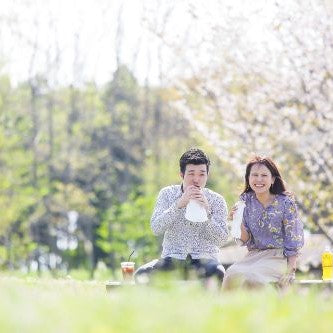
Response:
column 246, row 196
column 288, row 198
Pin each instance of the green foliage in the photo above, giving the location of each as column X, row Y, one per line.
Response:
column 127, row 228
column 102, row 153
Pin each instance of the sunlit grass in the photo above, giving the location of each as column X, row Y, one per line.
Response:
column 66, row 305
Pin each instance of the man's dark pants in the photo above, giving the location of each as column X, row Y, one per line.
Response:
column 205, row 268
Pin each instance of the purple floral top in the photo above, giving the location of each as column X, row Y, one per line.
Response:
column 276, row 226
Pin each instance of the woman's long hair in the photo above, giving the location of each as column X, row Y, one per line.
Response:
column 278, row 187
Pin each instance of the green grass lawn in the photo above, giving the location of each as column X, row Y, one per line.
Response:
column 50, row 305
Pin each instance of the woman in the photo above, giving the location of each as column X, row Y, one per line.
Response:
column 271, row 229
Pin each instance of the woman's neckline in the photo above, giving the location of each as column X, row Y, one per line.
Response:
column 268, row 203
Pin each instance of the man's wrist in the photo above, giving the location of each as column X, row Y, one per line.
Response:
column 179, row 204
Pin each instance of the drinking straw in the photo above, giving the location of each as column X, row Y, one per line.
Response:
column 130, row 256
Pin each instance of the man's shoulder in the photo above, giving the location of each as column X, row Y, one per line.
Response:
column 214, row 195
column 170, row 189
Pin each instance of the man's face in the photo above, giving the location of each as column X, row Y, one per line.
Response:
column 195, row 175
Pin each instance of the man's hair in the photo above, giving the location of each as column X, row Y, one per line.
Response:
column 193, row 156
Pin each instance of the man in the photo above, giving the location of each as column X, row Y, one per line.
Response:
column 186, row 243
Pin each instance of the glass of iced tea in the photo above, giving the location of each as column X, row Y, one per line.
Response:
column 127, row 268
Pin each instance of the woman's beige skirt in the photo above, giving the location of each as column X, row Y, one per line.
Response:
column 256, row 268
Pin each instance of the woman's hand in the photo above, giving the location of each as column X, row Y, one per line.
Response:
column 245, row 236
column 232, row 213
column 287, row 279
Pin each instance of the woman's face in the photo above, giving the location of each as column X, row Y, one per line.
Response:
column 260, row 179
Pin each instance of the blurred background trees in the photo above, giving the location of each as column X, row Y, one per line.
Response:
column 94, row 116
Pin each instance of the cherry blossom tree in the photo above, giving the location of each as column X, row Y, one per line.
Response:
column 259, row 78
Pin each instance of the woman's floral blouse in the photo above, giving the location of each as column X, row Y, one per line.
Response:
column 276, row 226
